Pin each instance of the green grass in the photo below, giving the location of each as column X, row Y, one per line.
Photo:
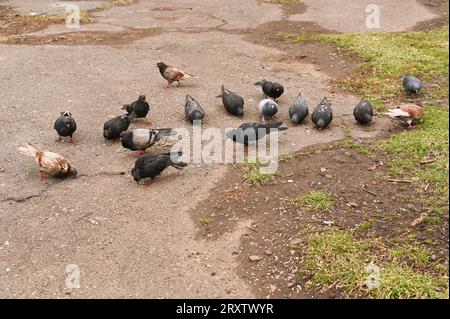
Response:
column 412, row 254
column 386, row 57
column 366, row 225
column 314, row 201
column 389, row 56
column 335, row 258
column 252, row 174
column 349, row 142
column 205, row 222
column 429, row 140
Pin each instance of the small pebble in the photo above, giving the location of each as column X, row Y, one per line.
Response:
column 254, row 258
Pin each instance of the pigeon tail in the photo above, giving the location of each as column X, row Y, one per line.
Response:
column 396, row 113
column 166, row 132
column 27, row 150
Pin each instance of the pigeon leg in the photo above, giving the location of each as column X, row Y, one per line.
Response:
column 147, row 183
column 168, row 84
column 140, row 152
column 179, row 83
column 72, row 141
column 58, row 139
column 41, row 176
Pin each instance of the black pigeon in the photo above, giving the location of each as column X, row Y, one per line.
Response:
column 65, row 126
column 298, row 110
column 411, row 84
column 140, row 139
column 150, row 166
column 249, row 133
column 271, row 89
column 233, row 103
column 323, row 114
column 193, row 110
column 267, row 108
column 140, row 108
column 113, row 127
column 363, row 112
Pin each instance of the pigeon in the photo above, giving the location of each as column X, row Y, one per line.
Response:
column 249, row 133
column 150, row 166
column 141, row 139
column 411, row 84
column 363, row 112
column 298, row 110
column 193, row 110
column 65, row 126
column 50, row 163
column 140, row 108
column 407, row 113
column 172, row 74
column 233, row 103
column 271, row 89
column 113, row 127
column 323, row 114
column 267, row 108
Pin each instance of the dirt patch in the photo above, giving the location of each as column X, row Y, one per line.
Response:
column 86, row 38
column 12, row 23
column 327, row 58
column 373, row 207
column 440, row 7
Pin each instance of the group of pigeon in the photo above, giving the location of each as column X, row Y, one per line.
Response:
column 149, row 166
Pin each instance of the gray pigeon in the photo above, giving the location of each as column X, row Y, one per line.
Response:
column 323, row 114
column 249, row 133
column 363, row 112
column 267, row 108
column 193, row 109
column 298, row 110
column 233, row 103
column 142, row 138
column 150, row 166
column 411, row 84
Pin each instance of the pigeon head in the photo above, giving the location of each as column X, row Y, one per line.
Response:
column 161, row 65
column 196, row 115
column 125, row 134
column 141, row 98
column 127, row 108
column 321, row 124
column 135, row 174
column 72, row 172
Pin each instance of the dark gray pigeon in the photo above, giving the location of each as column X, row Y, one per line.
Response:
column 150, row 166
column 65, row 126
column 140, row 139
column 249, row 133
column 267, row 108
column 271, row 89
column 233, row 103
column 140, row 107
column 193, row 110
column 323, row 114
column 363, row 112
column 298, row 110
column 411, row 84
column 113, row 127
